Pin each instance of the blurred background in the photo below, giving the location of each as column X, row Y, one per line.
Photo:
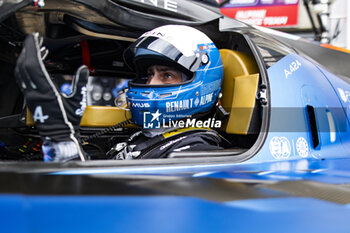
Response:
column 325, row 21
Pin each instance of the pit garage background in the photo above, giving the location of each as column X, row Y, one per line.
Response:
column 325, row 21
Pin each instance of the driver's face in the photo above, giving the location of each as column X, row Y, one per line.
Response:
column 158, row 75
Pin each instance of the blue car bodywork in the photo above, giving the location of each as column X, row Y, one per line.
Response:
column 294, row 177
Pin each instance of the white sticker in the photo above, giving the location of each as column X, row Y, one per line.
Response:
column 302, row 147
column 344, row 95
column 280, row 147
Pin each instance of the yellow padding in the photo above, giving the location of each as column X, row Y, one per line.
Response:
column 238, row 63
column 97, row 116
column 238, row 90
column 243, row 102
column 103, row 116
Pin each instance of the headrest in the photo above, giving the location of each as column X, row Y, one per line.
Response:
column 239, row 90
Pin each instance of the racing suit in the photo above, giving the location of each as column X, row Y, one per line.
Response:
column 139, row 146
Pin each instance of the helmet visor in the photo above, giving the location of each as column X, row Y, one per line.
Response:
column 191, row 62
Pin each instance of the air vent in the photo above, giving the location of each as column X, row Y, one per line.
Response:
column 313, row 126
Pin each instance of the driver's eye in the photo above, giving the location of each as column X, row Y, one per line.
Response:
column 150, row 75
column 168, row 76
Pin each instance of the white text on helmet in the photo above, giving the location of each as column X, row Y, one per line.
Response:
column 141, row 105
column 174, row 106
column 206, row 99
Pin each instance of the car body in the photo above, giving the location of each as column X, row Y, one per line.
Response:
column 287, row 171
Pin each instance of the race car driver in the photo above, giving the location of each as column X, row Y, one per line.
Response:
column 178, row 76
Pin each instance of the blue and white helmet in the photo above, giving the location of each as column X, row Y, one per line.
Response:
column 186, row 49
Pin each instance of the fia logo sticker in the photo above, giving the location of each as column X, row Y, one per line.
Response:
column 280, row 147
column 302, row 147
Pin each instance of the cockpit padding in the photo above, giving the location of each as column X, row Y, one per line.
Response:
column 103, row 116
column 239, row 90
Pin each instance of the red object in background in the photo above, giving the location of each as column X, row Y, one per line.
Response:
column 266, row 16
column 85, row 54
